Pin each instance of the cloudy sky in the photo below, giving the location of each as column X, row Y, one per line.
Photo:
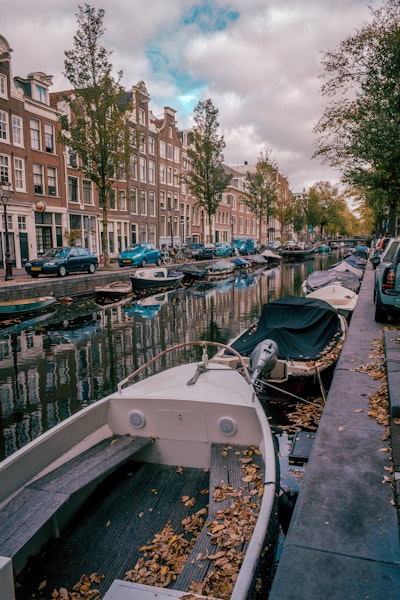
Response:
column 258, row 61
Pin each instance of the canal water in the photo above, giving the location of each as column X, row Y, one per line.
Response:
column 56, row 364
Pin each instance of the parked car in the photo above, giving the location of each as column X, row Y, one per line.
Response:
column 275, row 245
column 380, row 246
column 139, row 255
column 244, row 246
column 201, row 251
column 224, row 249
column 387, row 282
column 63, row 260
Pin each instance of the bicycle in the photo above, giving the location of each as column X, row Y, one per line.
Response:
column 166, row 258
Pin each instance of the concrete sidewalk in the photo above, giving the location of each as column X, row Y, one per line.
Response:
column 343, row 541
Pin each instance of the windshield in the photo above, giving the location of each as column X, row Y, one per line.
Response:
column 56, row 253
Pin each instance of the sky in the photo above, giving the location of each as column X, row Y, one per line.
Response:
column 259, row 61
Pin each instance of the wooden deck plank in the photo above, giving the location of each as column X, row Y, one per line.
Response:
column 125, row 512
column 92, row 465
column 226, row 470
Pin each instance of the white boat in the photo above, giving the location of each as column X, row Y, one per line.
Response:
column 338, row 296
column 155, row 277
column 114, row 290
column 194, row 455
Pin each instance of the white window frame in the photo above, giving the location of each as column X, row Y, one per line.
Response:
column 49, row 140
column 5, row 168
column 35, row 134
column 87, row 192
column 38, row 179
column 4, row 129
column 52, row 179
column 3, row 87
column 17, row 130
column 19, row 174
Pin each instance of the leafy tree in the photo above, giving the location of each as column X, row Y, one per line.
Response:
column 360, row 128
column 261, row 192
column 326, row 207
column 206, row 177
column 96, row 127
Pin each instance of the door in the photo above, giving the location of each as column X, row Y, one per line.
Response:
column 23, row 247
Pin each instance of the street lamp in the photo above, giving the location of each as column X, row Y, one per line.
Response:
column 5, row 195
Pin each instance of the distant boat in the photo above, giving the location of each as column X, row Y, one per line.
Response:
column 16, row 308
column 324, row 249
column 338, row 296
column 298, row 253
column 155, row 277
column 318, row 279
column 116, row 289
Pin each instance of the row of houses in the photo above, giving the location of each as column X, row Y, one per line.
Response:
column 53, row 204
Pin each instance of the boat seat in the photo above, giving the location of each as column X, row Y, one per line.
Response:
column 38, row 503
column 226, row 470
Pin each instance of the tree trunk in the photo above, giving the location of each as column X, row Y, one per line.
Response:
column 106, row 252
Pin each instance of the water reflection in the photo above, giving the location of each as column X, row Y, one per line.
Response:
column 53, row 365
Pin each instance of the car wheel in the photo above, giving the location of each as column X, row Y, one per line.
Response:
column 381, row 315
column 91, row 268
column 158, row 261
column 62, row 271
column 143, row 263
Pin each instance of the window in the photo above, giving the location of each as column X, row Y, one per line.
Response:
column 142, row 169
column 38, row 179
column 152, row 145
column 19, row 174
column 17, row 131
column 133, row 167
column 35, row 134
column 152, row 204
column 52, row 181
column 162, row 199
column 3, row 86
column 142, row 146
column 162, row 149
column 176, row 154
column 152, row 171
column 170, row 152
column 3, row 126
column 112, row 198
column 133, row 201
column 49, row 137
column 162, row 173
column 142, row 116
column 21, row 223
column 143, row 203
column 5, row 168
column 121, row 200
column 176, row 177
column 87, row 191
column 40, row 93
column 72, row 159
column 169, row 175
column 73, row 189
column 121, row 172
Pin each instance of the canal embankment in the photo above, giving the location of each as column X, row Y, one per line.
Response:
column 343, row 539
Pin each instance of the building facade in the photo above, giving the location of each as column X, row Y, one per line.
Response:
column 53, row 204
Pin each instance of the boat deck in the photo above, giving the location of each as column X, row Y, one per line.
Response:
column 131, row 508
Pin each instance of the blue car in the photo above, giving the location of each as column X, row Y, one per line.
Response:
column 224, row 249
column 139, row 255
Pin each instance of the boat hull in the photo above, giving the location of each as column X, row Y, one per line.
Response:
column 155, row 279
column 181, row 414
column 15, row 308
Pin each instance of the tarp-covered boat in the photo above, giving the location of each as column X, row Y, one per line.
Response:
column 318, row 279
column 308, row 334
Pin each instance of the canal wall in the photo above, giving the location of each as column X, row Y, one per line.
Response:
column 343, row 540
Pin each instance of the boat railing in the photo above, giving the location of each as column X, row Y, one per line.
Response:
column 205, row 359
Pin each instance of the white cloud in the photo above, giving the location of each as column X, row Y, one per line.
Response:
column 258, row 61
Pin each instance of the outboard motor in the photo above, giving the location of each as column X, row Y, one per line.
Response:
column 263, row 359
